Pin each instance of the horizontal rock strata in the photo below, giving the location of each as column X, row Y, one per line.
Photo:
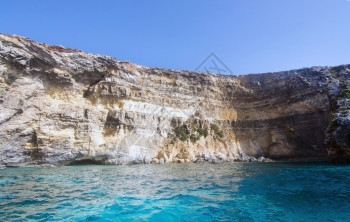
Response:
column 64, row 106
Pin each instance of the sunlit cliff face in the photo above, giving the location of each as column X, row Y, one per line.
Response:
column 59, row 105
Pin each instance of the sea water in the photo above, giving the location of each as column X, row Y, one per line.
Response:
column 177, row 192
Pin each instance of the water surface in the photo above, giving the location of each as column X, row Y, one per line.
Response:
column 177, row 192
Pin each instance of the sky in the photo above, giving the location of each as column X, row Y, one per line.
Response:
column 247, row 36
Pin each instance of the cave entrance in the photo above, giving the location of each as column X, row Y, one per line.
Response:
column 86, row 162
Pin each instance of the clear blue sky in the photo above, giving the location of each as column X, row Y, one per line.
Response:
column 249, row 36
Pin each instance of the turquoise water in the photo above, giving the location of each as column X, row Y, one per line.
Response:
column 177, row 192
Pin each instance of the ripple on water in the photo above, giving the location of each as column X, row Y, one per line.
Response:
column 177, row 192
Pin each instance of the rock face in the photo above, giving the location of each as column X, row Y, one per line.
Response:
column 338, row 132
column 62, row 106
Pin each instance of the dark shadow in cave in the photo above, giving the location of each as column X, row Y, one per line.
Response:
column 86, row 162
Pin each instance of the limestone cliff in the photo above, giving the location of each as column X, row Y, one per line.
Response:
column 61, row 106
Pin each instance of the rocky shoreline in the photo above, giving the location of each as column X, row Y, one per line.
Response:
column 96, row 161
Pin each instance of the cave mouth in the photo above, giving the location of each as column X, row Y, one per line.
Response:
column 86, row 162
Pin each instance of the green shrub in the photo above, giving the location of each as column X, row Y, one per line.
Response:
column 202, row 132
column 173, row 140
column 217, row 131
column 182, row 132
column 344, row 93
column 194, row 138
column 214, row 127
column 220, row 134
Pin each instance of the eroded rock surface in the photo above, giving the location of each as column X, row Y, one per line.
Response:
column 62, row 106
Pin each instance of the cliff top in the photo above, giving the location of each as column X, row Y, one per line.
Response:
column 21, row 50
